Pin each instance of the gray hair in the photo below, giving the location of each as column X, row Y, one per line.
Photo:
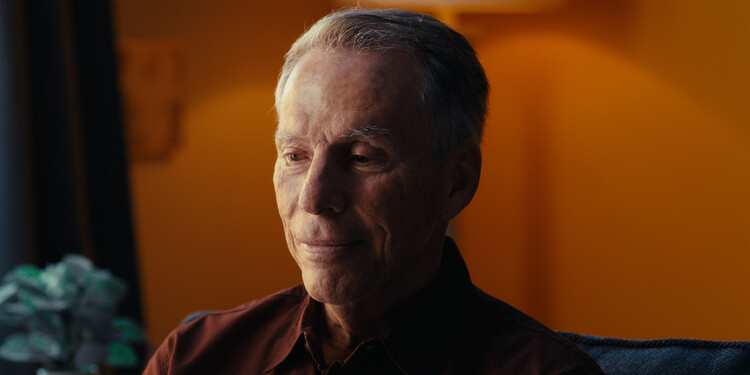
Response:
column 454, row 87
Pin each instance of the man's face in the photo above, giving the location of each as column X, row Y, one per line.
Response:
column 357, row 191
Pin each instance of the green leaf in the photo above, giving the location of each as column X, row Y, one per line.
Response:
column 41, row 302
column 26, row 275
column 18, row 308
column 59, row 282
column 121, row 355
column 7, row 292
column 127, row 329
column 17, row 348
column 103, row 289
column 15, row 313
column 47, row 345
column 78, row 266
column 10, row 320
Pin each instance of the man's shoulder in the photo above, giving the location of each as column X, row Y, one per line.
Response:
column 497, row 314
column 282, row 305
column 289, row 297
column 505, row 330
column 259, row 329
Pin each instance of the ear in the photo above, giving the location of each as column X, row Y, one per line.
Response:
column 461, row 171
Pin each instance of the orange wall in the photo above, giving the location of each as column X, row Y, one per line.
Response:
column 614, row 192
column 617, row 180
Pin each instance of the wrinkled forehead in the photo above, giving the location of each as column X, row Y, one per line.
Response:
column 331, row 93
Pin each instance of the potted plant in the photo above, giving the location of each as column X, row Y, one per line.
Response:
column 67, row 312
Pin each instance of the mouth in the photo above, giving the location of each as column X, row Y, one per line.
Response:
column 324, row 248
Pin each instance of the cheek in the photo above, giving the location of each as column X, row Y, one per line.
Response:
column 410, row 207
column 286, row 192
column 383, row 200
column 285, row 202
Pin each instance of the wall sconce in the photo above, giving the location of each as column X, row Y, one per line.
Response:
column 152, row 79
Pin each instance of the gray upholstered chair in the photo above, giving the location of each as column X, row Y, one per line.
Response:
column 666, row 356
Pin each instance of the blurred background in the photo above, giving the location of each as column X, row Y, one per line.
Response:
column 615, row 192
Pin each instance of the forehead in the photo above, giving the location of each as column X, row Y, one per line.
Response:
column 336, row 91
column 361, row 70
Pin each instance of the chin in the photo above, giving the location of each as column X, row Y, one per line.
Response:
column 331, row 290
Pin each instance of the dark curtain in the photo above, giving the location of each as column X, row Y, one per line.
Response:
column 63, row 171
column 15, row 203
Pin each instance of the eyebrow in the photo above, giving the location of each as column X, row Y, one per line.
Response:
column 282, row 136
column 366, row 132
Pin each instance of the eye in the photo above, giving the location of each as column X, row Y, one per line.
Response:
column 360, row 159
column 294, row 157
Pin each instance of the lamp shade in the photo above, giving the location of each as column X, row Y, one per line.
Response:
column 479, row 6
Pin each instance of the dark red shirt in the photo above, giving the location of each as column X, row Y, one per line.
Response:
column 449, row 327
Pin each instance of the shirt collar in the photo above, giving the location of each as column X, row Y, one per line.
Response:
column 293, row 339
column 433, row 317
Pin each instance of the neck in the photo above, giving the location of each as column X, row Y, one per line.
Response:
column 344, row 326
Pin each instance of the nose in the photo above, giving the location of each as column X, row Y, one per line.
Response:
column 323, row 192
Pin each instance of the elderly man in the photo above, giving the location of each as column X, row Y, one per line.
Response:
column 380, row 116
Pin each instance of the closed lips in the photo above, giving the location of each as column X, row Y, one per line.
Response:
column 327, row 246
